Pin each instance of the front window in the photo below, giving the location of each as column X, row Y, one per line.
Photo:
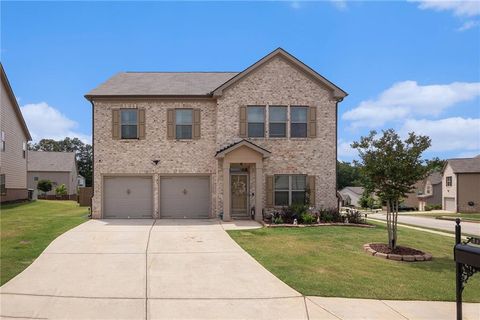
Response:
column 3, row 190
column 3, row 141
column 298, row 127
column 129, row 128
column 256, row 121
column 448, row 181
column 183, row 123
column 277, row 121
column 290, row 189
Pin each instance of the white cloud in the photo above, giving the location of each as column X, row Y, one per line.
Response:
column 345, row 151
column 449, row 134
column 295, row 4
column 339, row 4
column 407, row 98
column 44, row 121
column 468, row 25
column 459, row 8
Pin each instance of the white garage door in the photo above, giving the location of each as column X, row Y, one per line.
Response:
column 128, row 197
column 449, row 204
column 184, row 197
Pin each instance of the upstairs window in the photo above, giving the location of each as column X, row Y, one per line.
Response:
column 256, row 121
column 129, row 123
column 277, row 121
column 3, row 141
column 183, row 123
column 298, row 126
column 448, row 181
column 290, row 189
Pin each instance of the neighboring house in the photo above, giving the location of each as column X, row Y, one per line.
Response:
column 201, row 144
column 80, row 181
column 13, row 146
column 411, row 200
column 431, row 193
column 461, row 185
column 58, row 167
column 351, row 196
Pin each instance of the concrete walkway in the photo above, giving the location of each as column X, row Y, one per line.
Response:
column 175, row 269
column 447, row 225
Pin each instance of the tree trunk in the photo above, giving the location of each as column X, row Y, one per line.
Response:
column 389, row 222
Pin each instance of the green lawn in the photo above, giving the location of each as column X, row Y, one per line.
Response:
column 26, row 229
column 330, row 261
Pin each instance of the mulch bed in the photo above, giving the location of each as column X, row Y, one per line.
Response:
column 383, row 248
column 291, row 225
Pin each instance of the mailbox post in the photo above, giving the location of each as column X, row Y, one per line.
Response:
column 467, row 263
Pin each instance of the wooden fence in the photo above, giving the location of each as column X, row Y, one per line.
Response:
column 85, row 196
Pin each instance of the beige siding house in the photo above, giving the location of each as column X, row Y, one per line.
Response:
column 58, row 167
column 204, row 144
column 461, row 185
column 13, row 146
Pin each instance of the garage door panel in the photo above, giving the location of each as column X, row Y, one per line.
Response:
column 184, row 197
column 449, row 204
column 128, row 197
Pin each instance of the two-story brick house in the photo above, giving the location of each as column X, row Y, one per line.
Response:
column 200, row 144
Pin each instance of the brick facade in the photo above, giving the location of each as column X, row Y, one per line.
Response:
column 277, row 82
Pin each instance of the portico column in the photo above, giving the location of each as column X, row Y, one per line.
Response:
column 258, row 191
column 226, row 191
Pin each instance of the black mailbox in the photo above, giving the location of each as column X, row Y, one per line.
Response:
column 467, row 254
column 467, row 262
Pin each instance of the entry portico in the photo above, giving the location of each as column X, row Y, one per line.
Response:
column 242, row 156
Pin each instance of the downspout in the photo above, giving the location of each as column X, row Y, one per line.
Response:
column 93, row 156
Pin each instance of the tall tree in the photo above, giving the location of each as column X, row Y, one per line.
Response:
column 347, row 175
column 435, row 164
column 82, row 151
column 390, row 167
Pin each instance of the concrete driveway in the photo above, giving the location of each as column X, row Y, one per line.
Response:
column 176, row 269
column 142, row 269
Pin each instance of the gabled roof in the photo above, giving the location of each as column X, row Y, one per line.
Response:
column 337, row 93
column 435, row 177
column 222, row 152
column 13, row 100
column 51, row 161
column 357, row 190
column 194, row 84
column 161, row 84
column 465, row 165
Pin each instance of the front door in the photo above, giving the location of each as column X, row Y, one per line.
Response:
column 239, row 195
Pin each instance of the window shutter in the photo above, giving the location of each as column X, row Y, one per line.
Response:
column 141, row 123
column 312, row 122
column 243, row 122
column 116, row 124
column 270, row 191
column 196, row 124
column 311, row 190
column 170, row 123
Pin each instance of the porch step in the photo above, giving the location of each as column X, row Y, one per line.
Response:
column 241, row 217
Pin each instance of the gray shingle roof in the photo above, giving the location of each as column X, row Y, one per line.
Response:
column 162, row 83
column 435, row 177
column 357, row 190
column 465, row 165
column 50, row 161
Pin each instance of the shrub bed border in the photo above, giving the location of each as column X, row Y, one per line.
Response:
column 397, row 257
column 332, row 224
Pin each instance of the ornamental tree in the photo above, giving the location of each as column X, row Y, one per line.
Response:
column 390, row 167
column 44, row 185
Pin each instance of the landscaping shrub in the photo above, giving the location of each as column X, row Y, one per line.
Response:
column 354, row 217
column 61, row 190
column 45, row 186
column 308, row 218
column 277, row 220
column 331, row 215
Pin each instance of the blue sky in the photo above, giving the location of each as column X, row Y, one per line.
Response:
column 407, row 65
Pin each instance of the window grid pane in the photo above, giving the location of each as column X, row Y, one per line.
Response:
column 298, row 114
column 256, row 121
column 184, row 116
column 129, row 131
column 183, row 132
column 128, row 117
column 256, row 130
